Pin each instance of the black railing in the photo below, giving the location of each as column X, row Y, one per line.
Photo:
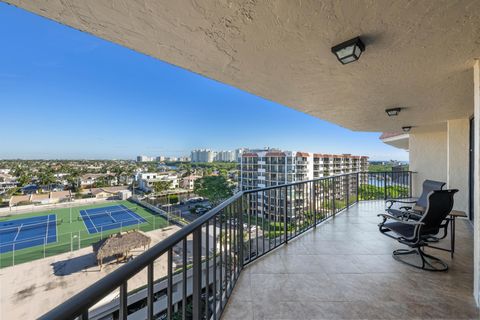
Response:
column 191, row 274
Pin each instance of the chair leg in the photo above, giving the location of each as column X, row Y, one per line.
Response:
column 428, row 262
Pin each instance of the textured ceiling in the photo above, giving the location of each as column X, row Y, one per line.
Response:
column 419, row 54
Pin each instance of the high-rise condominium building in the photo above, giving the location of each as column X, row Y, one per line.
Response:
column 265, row 168
column 202, row 155
column 225, row 156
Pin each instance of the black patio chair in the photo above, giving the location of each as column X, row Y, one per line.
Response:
column 415, row 207
column 417, row 234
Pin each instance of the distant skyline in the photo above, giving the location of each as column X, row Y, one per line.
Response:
column 65, row 94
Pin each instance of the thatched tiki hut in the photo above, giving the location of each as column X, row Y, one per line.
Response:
column 120, row 244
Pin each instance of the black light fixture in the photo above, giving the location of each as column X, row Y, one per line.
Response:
column 406, row 129
column 349, row 51
column 393, row 112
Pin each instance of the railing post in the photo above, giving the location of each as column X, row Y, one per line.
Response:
column 285, row 229
column 197, row 273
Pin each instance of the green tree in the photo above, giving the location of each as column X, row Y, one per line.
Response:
column 161, row 186
column 46, row 178
column 215, row 188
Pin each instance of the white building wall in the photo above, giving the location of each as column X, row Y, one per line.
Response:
column 457, row 161
column 428, row 157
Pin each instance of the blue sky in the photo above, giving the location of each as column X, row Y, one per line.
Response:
column 67, row 94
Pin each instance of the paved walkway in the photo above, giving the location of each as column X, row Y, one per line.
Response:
column 344, row 270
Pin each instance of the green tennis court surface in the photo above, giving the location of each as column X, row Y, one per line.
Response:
column 72, row 234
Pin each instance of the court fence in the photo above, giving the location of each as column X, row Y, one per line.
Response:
column 68, row 242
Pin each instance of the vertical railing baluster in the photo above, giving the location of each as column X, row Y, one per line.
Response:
column 220, row 253
column 263, row 222
column 285, row 204
column 357, row 187
column 385, row 185
column 207, row 269
column 150, row 298
column 197, row 273
column 334, row 196
column 84, row 315
column 169, row 284
column 269, row 211
column 225, row 251
column 277, row 204
column 347, row 178
column 257, row 252
column 314, row 199
column 123, row 301
column 249, row 218
column 229, row 250
column 214, row 267
column 184, row 279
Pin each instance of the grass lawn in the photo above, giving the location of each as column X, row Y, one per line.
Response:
column 72, row 233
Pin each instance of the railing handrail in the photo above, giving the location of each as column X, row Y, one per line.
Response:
column 91, row 295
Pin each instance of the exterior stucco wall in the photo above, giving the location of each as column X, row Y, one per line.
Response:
column 428, row 158
column 476, row 182
column 457, row 161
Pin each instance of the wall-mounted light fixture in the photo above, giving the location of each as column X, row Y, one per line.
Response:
column 393, row 112
column 349, row 51
column 406, row 129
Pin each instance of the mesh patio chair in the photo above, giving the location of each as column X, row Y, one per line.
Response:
column 417, row 234
column 413, row 208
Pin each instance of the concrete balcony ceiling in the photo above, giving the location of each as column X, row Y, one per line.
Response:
column 419, row 54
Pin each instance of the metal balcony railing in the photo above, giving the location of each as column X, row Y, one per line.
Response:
column 216, row 246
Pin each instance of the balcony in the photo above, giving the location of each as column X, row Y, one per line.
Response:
column 321, row 256
column 343, row 269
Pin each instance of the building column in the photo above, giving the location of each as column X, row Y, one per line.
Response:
column 458, row 161
column 476, row 182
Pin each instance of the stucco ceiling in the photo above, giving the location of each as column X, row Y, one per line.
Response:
column 419, row 54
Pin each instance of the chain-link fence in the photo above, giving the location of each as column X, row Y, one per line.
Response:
column 22, row 251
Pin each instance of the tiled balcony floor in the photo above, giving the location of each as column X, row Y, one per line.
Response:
column 344, row 270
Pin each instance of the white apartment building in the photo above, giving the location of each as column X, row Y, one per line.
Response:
column 188, row 183
column 7, row 182
column 147, row 179
column 225, row 156
column 203, row 155
column 145, row 159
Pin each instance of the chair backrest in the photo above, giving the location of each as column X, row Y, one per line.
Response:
column 427, row 187
column 439, row 205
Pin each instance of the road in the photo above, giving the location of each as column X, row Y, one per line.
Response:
column 185, row 210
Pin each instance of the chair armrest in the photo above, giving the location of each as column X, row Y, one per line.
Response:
column 411, row 222
column 390, row 202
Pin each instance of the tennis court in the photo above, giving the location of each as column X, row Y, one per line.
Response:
column 28, row 232
column 107, row 218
